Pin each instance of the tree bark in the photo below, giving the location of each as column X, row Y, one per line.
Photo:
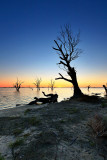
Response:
column 77, row 90
column 72, row 74
column 105, row 89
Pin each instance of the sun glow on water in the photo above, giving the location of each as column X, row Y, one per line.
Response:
column 9, row 97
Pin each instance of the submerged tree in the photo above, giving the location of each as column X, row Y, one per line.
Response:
column 105, row 87
column 88, row 87
column 18, row 85
column 37, row 83
column 67, row 50
column 52, row 84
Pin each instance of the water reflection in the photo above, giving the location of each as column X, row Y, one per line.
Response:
column 9, row 96
column 37, row 93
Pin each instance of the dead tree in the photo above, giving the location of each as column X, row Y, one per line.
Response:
column 51, row 98
column 88, row 87
column 18, row 85
column 37, row 83
column 52, row 84
column 105, row 89
column 67, row 50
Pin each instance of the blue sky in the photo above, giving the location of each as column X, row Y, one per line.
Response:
column 27, row 32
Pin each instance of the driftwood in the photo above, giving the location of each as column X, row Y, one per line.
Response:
column 51, row 98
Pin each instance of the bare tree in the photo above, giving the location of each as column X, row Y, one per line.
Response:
column 105, row 87
column 37, row 83
column 52, row 84
column 67, row 50
column 18, row 84
column 88, row 87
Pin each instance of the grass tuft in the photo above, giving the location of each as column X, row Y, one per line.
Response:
column 104, row 105
column 17, row 143
column 1, row 157
column 26, row 135
column 27, row 111
column 72, row 110
column 34, row 121
column 17, row 131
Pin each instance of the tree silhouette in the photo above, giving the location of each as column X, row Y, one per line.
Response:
column 18, row 85
column 88, row 87
column 105, row 87
column 67, row 50
column 52, row 84
column 37, row 83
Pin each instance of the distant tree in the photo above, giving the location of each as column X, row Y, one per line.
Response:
column 52, row 84
column 105, row 87
column 37, row 83
column 88, row 87
column 67, row 50
column 18, row 84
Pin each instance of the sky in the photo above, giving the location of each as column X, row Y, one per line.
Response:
column 28, row 29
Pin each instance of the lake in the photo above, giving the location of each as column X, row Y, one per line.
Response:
column 9, row 97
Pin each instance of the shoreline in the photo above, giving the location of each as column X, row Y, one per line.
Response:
column 52, row 130
column 14, row 111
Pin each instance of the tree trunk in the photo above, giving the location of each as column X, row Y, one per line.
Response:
column 105, row 89
column 77, row 90
column 17, row 89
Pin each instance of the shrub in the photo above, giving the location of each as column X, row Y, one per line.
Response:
column 99, row 125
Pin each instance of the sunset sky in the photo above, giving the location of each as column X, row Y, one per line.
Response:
column 27, row 32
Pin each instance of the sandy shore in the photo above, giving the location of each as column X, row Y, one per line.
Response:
column 18, row 110
column 57, row 131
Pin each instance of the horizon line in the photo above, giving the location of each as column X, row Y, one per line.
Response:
column 50, row 87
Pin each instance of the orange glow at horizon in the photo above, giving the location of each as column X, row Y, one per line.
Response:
column 58, row 83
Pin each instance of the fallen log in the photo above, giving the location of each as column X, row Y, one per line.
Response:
column 51, row 98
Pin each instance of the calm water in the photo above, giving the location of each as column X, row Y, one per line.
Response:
column 9, row 97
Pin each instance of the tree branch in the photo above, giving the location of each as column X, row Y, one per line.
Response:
column 56, row 49
column 61, row 58
column 59, row 49
column 61, row 62
column 61, row 77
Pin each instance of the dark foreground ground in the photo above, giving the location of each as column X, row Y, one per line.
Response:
column 57, row 131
